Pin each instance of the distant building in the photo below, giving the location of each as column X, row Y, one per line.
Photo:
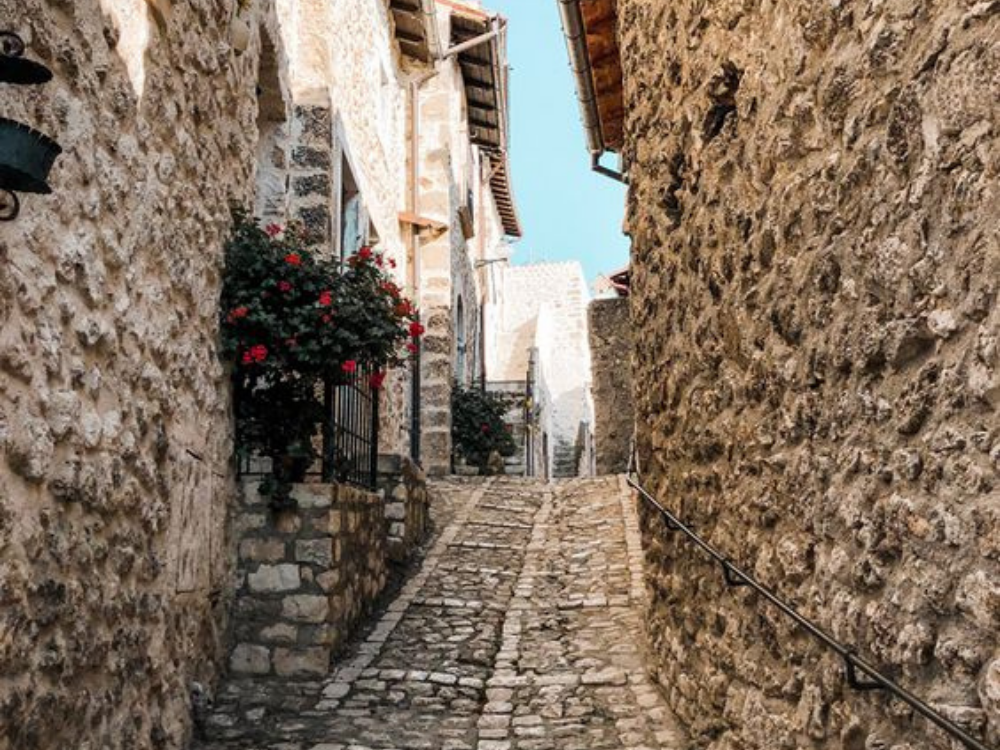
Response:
column 541, row 349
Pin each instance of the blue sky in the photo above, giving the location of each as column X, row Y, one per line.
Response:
column 567, row 211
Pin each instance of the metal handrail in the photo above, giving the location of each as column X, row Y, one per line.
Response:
column 734, row 576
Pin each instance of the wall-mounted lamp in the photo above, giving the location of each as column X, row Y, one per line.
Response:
column 14, row 68
column 26, row 156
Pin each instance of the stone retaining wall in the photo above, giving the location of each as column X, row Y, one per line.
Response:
column 611, row 362
column 305, row 577
column 404, row 485
column 814, row 205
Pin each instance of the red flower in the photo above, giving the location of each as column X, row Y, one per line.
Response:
column 293, row 259
column 411, row 348
column 326, row 318
column 376, row 380
column 378, row 261
column 416, row 330
column 325, row 298
column 247, row 358
column 365, row 253
column 485, row 428
column 237, row 314
column 392, row 262
column 390, row 288
column 350, row 366
column 258, row 353
column 284, row 286
column 273, row 230
column 403, row 309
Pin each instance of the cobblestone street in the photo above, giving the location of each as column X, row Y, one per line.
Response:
column 519, row 631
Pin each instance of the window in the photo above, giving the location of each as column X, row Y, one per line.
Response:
column 353, row 227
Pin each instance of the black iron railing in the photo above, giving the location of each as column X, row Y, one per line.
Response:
column 860, row 674
column 350, row 433
column 347, row 439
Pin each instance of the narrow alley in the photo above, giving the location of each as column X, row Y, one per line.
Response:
column 520, row 630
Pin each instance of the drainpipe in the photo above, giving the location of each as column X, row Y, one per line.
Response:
column 413, row 200
column 579, row 60
column 474, row 42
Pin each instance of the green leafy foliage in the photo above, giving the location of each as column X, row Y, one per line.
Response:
column 292, row 320
column 478, row 426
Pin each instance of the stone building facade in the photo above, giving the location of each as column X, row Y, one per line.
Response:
column 540, row 328
column 611, row 356
column 114, row 407
column 465, row 197
column 815, row 259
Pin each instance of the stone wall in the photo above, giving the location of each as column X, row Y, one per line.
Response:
column 114, row 408
column 305, row 577
column 813, row 209
column 611, row 364
column 407, row 513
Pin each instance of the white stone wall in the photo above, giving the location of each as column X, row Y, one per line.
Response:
column 544, row 306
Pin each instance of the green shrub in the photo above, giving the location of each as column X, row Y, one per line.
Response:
column 478, row 426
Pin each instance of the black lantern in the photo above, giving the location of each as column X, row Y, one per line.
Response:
column 14, row 68
column 26, row 156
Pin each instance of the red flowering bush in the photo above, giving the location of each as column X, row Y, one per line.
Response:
column 292, row 320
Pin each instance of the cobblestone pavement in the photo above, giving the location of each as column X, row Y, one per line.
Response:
column 520, row 631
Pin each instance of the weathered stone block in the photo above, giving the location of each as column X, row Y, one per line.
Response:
column 280, row 632
column 315, row 551
column 313, row 496
column 250, row 659
column 275, row 578
column 305, row 608
column 301, row 662
column 262, row 550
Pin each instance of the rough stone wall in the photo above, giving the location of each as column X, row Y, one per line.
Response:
column 305, row 577
column 813, row 208
column 114, row 422
column 436, row 288
column 404, row 485
column 611, row 363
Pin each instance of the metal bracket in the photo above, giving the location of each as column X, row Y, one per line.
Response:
column 733, row 579
column 11, row 45
column 10, row 205
column 855, row 682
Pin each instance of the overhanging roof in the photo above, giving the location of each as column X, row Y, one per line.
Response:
column 600, row 18
column 414, row 25
column 503, row 195
column 484, row 71
column 484, row 75
column 591, row 33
